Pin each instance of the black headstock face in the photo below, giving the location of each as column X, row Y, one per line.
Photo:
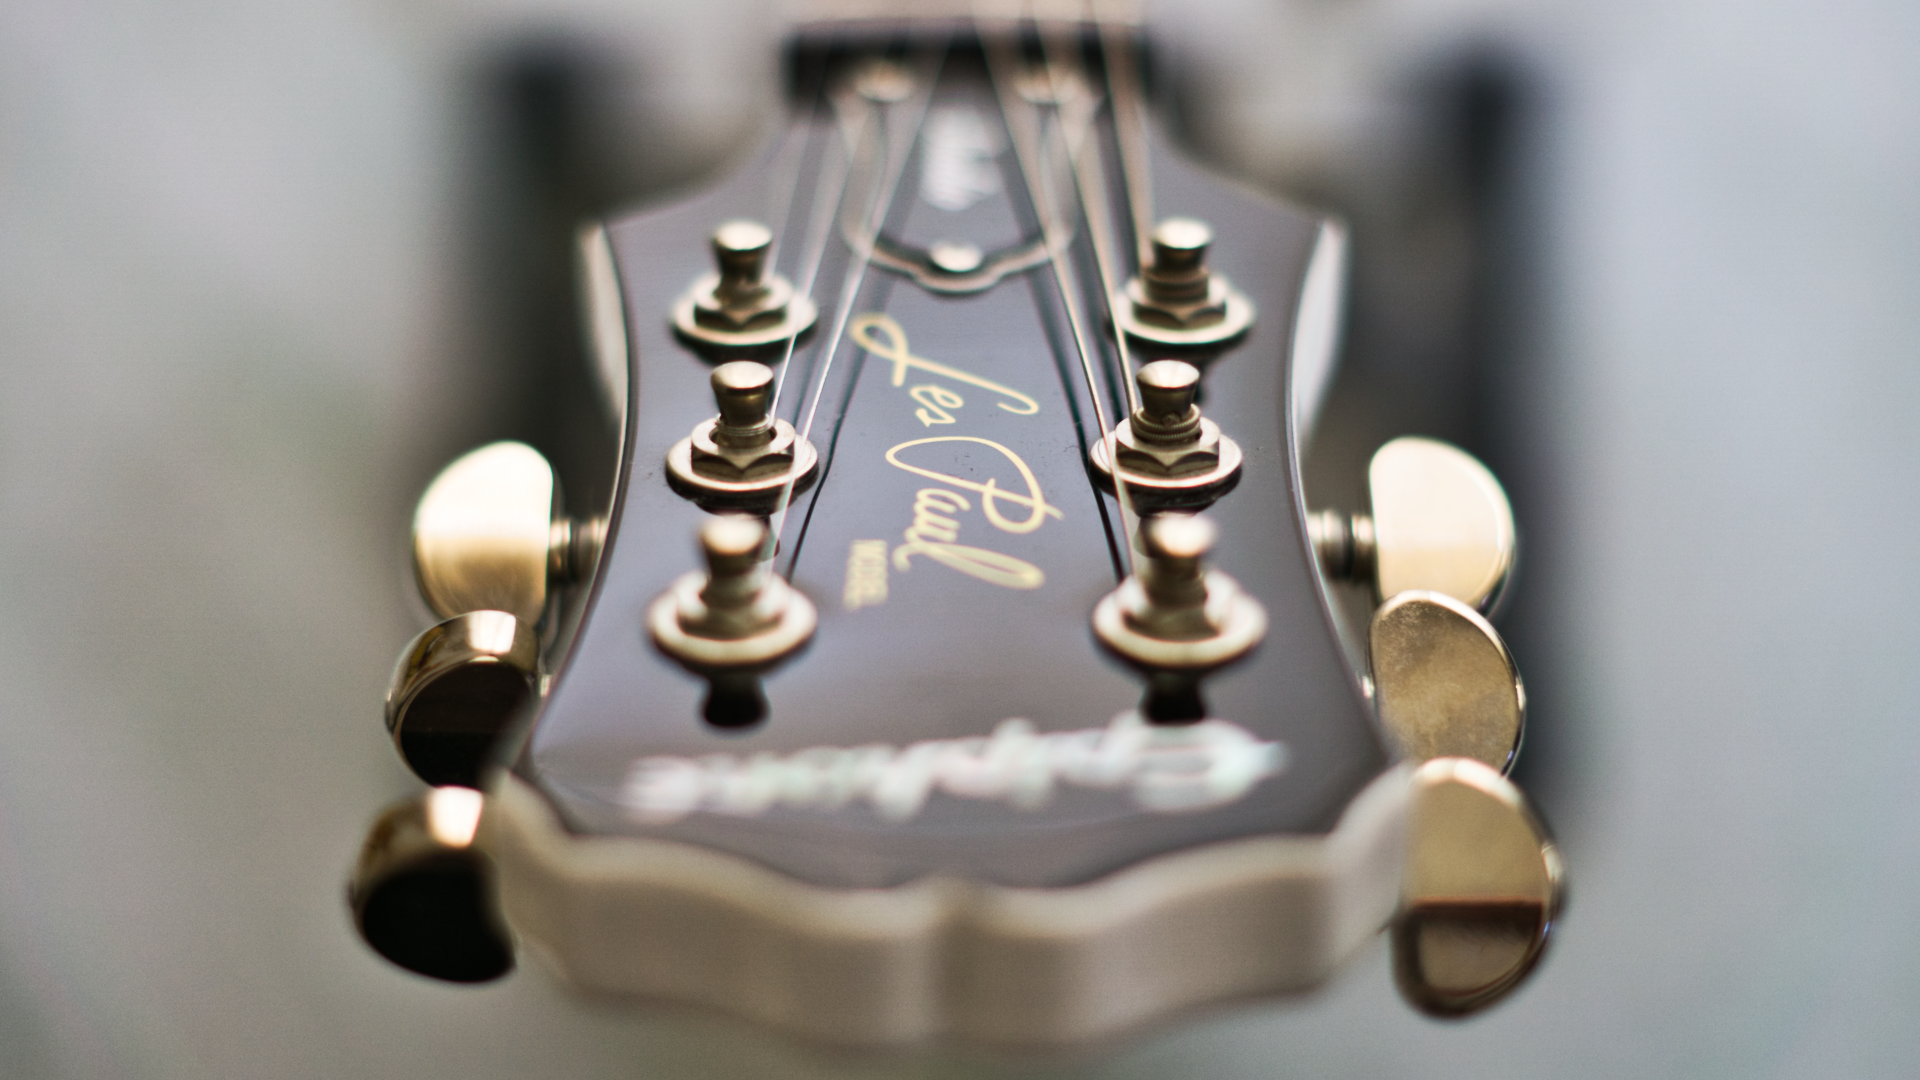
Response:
column 953, row 710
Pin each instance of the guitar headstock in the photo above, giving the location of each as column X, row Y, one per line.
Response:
column 958, row 634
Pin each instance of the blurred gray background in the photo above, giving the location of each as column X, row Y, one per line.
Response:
column 264, row 267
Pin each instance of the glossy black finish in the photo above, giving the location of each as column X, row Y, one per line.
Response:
column 948, row 655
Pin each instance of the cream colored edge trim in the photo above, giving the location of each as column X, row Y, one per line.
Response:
column 1317, row 328
column 942, row 958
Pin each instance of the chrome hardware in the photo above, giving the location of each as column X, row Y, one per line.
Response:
column 741, row 305
column 1169, row 454
column 486, row 535
column 1482, row 887
column 742, row 456
column 422, row 897
column 1177, row 301
column 1174, row 613
column 738, row 615
column 1440, row 522
column 457, row 686
column 1444, row 682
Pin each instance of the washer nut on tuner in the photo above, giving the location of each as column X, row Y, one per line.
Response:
column 742, row 458
column 741, row 305
column 1173, row 612
column 1440, row 522
column 738, row 616
column 1170, row 456
column 1177, row 302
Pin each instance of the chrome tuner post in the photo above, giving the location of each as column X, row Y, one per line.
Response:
column 1169, row 455
column 1175, row 619
column 488, row 547
column 741, row 305
column 743, row 458
column 422, row 897
column 1177, row 302
column 734, row 621
column 1440, row 522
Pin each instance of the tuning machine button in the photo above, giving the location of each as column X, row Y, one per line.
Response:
column 422, row 896
column 1170, row 456
column 1443, row 681
column 457, row 687
column 1440, row 522
column 1177, row 302
column 741, row 305
column 1482, row 887
column 486, row 535
column 1176, row 619
column 742, row 458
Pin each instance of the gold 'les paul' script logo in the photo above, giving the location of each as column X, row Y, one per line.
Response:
column 934, row 531
column 1011, row 502
column 880, row 335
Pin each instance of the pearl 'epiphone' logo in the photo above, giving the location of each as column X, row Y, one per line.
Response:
column 1165, row 768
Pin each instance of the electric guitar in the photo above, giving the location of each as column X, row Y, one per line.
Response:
column 957, row 657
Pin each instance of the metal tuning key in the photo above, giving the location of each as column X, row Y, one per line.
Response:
column 741, row 305
column 743, row 458
column 457, row 686
column 486, row 535
column 1177, row 302
column 1169, row 455
column 1440, row 522
column 421, row 895
column 1176, row 619
column 1482, row 887
column 1443, row 681
column 487, row 548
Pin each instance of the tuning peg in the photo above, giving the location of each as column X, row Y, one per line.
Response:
column 738, row 616
column 457, row 686
column 1170, row 456
column 1440, row 522
column 1482, row 887
column 744, row 458
column 422, row 897
column 1178, row 302
column 1443, row 681
column 1175, row 618
column 486, row 535
column 741, row 305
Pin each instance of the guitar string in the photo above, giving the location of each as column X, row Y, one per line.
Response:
column 1032, row 170
column 1130, row 132
column 1067, row 77
column 786, row 174
column 1001, row 72
column 857, row 269
column 835, row 176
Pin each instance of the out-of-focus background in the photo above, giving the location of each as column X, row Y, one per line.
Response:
column 264, row 267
